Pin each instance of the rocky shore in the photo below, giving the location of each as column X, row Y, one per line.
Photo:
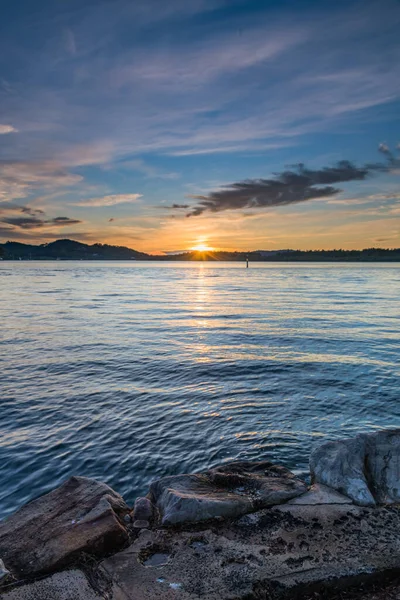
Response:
column 242, row 530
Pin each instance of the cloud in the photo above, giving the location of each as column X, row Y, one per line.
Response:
column 147, row 170
column 36, row 223
column 289, row 187
column 110, row 200
column 176, row 206
column 7, row 129
column 30, row 218
column 394, row 161
column 19, row 178
column 70, row 43
column 8, row 207
column 41, row 236
column 196, row 87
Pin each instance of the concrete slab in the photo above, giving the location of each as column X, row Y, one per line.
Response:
column 67, row 585
column 262, row 553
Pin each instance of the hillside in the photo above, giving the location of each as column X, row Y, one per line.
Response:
column 71, row 250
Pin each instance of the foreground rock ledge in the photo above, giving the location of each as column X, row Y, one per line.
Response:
column 247, row 531
column 267, row 554
column 83, row 515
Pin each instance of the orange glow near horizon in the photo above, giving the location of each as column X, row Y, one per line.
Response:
column 202, row 247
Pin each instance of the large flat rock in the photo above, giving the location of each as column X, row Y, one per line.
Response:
column 365, row 468
column 259, row 555
column 83, row 515
column 68, row 585
column 228, row 491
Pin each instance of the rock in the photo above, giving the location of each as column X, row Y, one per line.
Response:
column 365, row 468
column 142, row 513
column 68, row 585
column 228, row 491
column 4, row 573
column 383, row 465
column 82, row 515
column 321, row 494
column 288, row 549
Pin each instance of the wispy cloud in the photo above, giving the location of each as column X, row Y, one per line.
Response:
column 105, row 94
column 110, row 200
column 262, row 78
column 19, row 178
column 7, row 129
column 148, row 170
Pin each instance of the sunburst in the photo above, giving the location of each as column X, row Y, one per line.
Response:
column 202, row 247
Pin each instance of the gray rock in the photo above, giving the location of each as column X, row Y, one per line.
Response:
column 228, row 491
column 82, row 515
column 143, row 510
column 69, row 585
column 383, row 465
column 4, row 573
column 365, row 468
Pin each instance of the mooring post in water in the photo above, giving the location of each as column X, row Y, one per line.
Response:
column 247, row 262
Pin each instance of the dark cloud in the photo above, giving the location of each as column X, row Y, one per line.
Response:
column 31, row 211
column 38, row 236
column 62, row 221
column 31, row 218
column 297, row 184
column 32, row 222
column 175, row 207
column 6, row 207
column 4, row 231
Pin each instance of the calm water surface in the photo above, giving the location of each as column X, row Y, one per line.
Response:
column 130, row 371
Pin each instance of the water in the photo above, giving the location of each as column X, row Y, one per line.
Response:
column 129, row 371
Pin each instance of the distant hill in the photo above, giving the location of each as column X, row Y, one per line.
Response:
column 71, row 250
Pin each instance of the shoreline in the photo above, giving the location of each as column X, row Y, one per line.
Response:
column 243, row 530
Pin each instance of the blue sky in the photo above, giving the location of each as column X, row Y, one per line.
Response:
column 112, row 112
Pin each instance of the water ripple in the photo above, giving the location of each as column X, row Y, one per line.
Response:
column 127, row 372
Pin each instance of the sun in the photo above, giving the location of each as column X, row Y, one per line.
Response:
column 202, row 248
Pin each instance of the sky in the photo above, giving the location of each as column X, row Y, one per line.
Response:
column 231, row 124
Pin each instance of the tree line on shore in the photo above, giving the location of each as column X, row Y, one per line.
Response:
column 72, row 250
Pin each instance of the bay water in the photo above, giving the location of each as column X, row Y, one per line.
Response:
column 129, row 371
